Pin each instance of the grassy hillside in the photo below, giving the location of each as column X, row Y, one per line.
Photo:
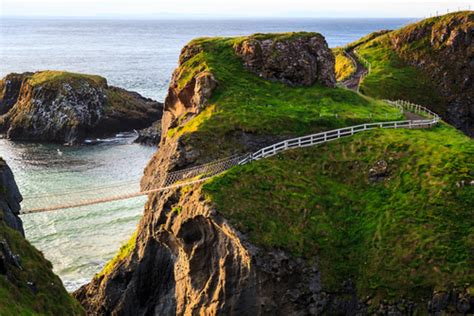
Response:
column 35, row 289
column 392, row 78
column 393, row 56
column 344, row 67
column 243, row 101
column 401, row 237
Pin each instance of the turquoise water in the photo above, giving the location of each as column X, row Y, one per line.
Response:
column 137, row 55
column 78, row 241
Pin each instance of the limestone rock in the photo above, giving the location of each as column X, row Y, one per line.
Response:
column 300, row 60
column 195, row 262
column 192, row 261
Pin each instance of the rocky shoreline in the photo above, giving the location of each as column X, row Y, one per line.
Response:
column 27, row 281
column 67, row 108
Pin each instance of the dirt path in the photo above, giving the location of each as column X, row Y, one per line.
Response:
column 413, row 117
column 353, row 81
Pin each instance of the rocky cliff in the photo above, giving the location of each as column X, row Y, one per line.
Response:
column 27, row 284
column 67, row 107
column 303, row 233
column 447, row 55
column 10, row 199
column 297, row 59
column 187, row 258
column 441, row 52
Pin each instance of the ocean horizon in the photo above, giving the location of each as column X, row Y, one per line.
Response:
column 140, row 54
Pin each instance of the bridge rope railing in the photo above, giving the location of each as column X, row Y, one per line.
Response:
column 95, row 195
column 204, row 172
column 83, row 190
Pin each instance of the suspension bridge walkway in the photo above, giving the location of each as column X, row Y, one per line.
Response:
column 78, row 197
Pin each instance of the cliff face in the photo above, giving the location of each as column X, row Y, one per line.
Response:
column 444, row 48
column 27, row 284
column 187, row 258
column 66, row 107
column 430, row 62
column 10, row 199
column 294, row 60
column 301, row 233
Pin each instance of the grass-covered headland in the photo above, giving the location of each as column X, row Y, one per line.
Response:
column 243, row 101
column 405, row 235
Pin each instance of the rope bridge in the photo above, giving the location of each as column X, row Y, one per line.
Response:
column 130, row 189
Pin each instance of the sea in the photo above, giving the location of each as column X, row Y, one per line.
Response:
column 135, row 54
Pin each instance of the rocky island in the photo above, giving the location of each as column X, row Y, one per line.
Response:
column 64, row 107
column 336, row 229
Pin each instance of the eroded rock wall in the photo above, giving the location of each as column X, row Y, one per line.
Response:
column 188, row 259
column 10, row 198
column 445, row 51
column 303, row 60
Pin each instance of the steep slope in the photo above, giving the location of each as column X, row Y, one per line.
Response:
column 67, row 107
column 389, row 210
column 430, row 62
column 271, row 237
column 27, row 284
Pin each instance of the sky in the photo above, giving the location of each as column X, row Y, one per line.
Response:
column 231, row 8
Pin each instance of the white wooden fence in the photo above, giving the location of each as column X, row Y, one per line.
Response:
column 90, row 196
column 323, row 137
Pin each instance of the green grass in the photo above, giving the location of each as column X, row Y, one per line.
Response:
column 245, row 102
column 53, row 78
column 344, row 67
column 286, row 36
column 392, row 78
column 402, row 237
column 366, row 39
column 16, row 298
column 121, row 100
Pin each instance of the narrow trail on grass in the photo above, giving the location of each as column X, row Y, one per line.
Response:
column 353, row 82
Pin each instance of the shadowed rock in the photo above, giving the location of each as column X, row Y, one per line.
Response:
column 294, row 60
